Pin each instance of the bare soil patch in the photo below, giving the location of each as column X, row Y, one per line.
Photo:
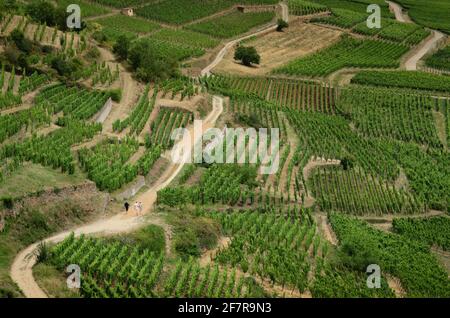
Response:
column 278, row 48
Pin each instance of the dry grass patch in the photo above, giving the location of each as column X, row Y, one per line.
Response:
column 278, row 48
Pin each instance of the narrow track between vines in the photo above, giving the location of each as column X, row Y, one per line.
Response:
column 22, row 267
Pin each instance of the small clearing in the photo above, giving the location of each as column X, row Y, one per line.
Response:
column 278, row 48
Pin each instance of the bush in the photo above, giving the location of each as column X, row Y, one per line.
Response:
column 20, row 41
column 66, row 68
column 116, row 94
column 121, row 47
column 281, row 25
column 42, row 12
column 93, row 53
column 187, row 244
column 100, row 37
column 8, row 202
column 247, row 55
column 193, row 234
column 149, row 65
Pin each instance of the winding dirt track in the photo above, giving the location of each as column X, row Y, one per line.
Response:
column 207, row 70
column 22, row 267
column 426, row 45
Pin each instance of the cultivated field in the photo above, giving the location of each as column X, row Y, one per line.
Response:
column 97, row 126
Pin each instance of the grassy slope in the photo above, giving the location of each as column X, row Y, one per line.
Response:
column 33, row 178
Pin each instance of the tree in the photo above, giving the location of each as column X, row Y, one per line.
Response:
column 121, row 47
column 20, row 41
column 347, row 163
column 247, row 55
column 281, row 25
column 149, row 64
column 42, row 11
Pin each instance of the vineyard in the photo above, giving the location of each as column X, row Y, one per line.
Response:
column 232, row 24
column 300, row 7
column 353, row 192
column 392, row 114
column 107, row 163
column 348, row 52
column 162, row 128
column 139, row 116
column 190, row 10
column 417, row 268
column 404, row 79
column 292, row 94
column 440, row 60
column 72, row 101
column 112, row 270
column 358, row 143
column 435, row 231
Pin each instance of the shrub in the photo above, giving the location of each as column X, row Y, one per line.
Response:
column 247, row 55
column 281, row 25
column 122, row 46
column 116, row 94
column 8, row 202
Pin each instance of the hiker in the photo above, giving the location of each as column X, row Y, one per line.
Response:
column 136, row 207
column 127, row 206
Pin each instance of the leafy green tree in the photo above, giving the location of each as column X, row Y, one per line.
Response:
column 149, row 65
column 20, row 41
column 122, row 46
column 42, row 11
column 281, row 25
column 247, row 55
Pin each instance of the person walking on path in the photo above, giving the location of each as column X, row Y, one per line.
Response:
column 127, row 206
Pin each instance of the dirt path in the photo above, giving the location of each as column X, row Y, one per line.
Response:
column 22, row 267
column 286, row 183
column 207, row 257
column 390, row 217
column 400, row 16
column 130, row 90
column 395, row 284
column 325, row 227
column 424, row 47
column 207, row 70
column 314, row 163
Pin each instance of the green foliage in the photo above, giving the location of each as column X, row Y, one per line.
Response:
column 281, row 25
column 154, row 61
column 121, row 47
column 280, row 93
column 168, row 119
column 247, row 55
column 410, row 261
column 348, row 52
column 300, row 7
column 232, row 24
column 404, row 79
column 189, row 10
column 221, row 183
column 20, row 41
column 440, row 60
column 8, row 202
column 349, row 191
column 435, row 231
column 116, row 95
column 429, row 13
column 391, row 113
